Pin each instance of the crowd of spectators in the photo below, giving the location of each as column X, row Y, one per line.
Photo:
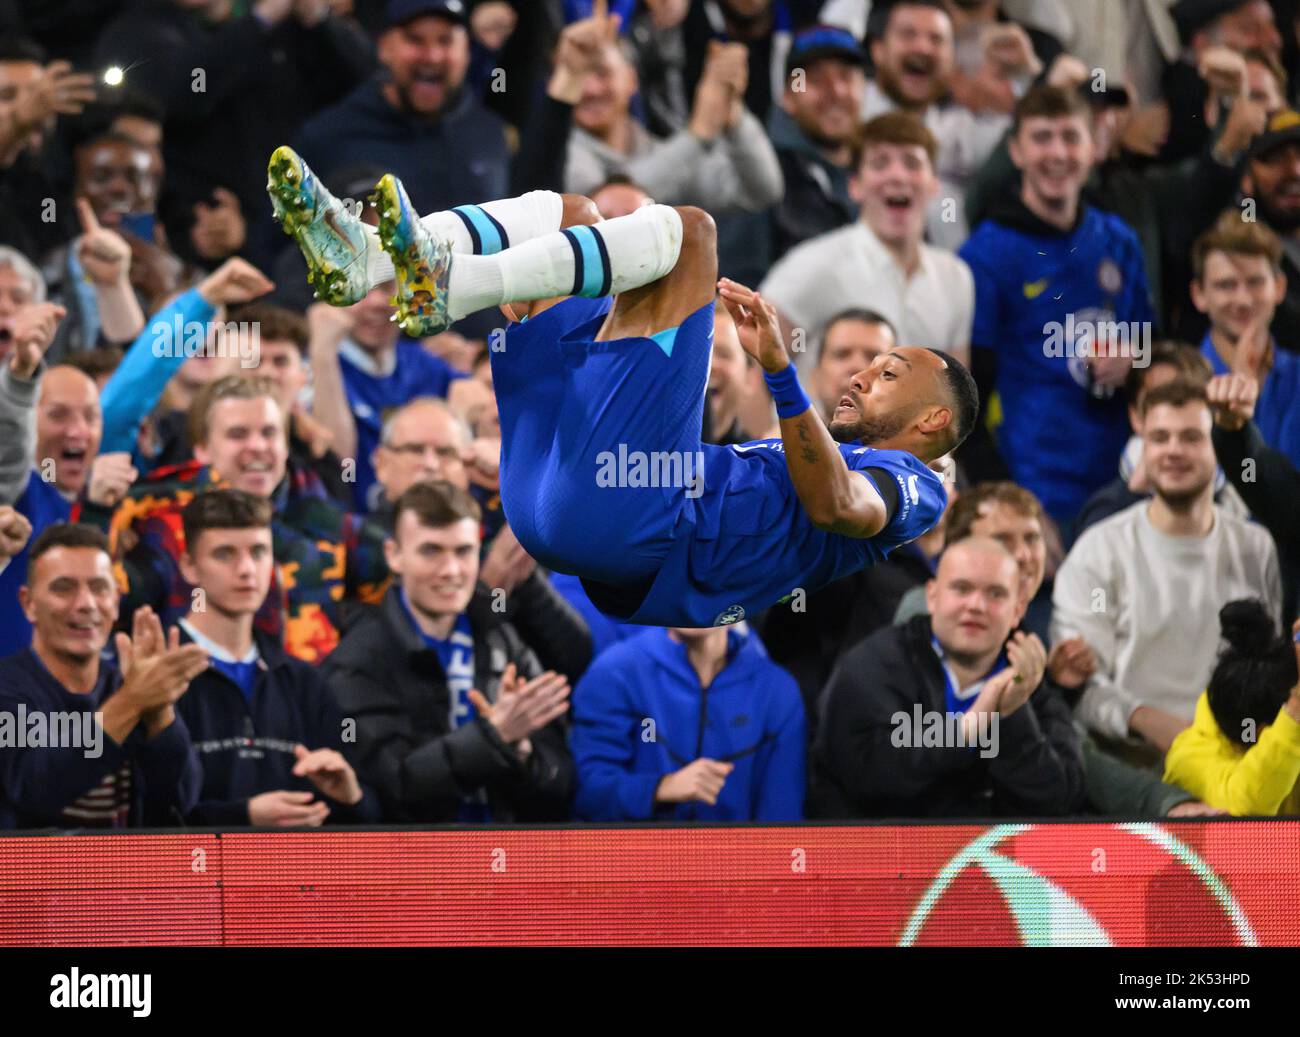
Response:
column 260, row 539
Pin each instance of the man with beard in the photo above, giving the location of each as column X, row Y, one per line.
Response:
column 813, row 132
column 1144, row 587
column 914, row 60
column 417, row 120
column 1272, row 181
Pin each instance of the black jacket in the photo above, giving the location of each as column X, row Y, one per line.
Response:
column 1270, row 486
column 859, row 772
column 245, row 753
column 393, row 685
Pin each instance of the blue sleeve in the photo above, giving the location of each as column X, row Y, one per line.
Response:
column 987, row 327
column 603, row 741
column 921, row 496
column 779, row 772
column 151, row 360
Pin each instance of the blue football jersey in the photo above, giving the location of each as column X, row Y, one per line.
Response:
column 746, row 542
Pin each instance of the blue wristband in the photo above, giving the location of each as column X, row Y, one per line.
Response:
column 787, row 393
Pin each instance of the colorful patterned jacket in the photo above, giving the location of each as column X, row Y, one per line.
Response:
column 327, row 558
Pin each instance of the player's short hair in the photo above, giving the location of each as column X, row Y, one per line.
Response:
column 223, row 509
column 963, row 394
column 862, row 315
column 964, row 512
column 138, row 104
column 436, row 503
column 64, row 534
column 274, row 323
column 227, row 387
column 24, row 268
column 902, row 128
column 1188, row 361
column 882, row 14
column 1048, row 102
column 1178, row 393
column 94, row 363
column 1237, row 237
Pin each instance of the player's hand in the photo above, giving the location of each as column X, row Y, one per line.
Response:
column 287, row 809
column 103, row 253
column 111, row 475
column 482, row 460
column 582, row 43
column 756, row 323
column 328, row 325
column 155, row 681
column 507, row 564
column 700, row 781
column 711, row 109
column 1009, row 51
column 1232, row 400
column 522, row 708
column 329, row 772
column 1067, row 71
column 1223, row 69
column 33, row 331
column 1146, row 130
column 218, row 229
column 56, row 90
column 234, row 281
column 1071, row 662
column 15, row 530
column 1254, row 356
column 1028, row 662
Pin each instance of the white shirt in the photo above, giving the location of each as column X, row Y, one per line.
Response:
column 1148, row 605
column 850, row 267
column 965, row 142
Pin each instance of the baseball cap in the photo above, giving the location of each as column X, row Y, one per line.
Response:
column 1282, row 128
column 399, row 12
column 823, row 41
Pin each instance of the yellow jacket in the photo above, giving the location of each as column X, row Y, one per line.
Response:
column 1219, row 771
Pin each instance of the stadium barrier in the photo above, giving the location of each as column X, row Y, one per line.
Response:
column 1192, row 883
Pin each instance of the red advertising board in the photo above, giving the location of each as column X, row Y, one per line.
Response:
column 1197, row 883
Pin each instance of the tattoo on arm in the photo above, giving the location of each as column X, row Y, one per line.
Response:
column 808, row 453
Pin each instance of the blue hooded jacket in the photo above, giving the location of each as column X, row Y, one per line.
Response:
column 639, row 713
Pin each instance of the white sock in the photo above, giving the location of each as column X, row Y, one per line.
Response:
column 478, row 229
column 616, row 256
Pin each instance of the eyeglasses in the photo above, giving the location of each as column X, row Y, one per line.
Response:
column 445, row 454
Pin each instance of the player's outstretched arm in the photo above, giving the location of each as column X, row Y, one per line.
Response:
column 836, row 499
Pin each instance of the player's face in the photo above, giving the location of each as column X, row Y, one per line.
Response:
column 68, row 427
column 233, row 568
column 1237, row 288
column 894, row 183
column 427, row 59
column 71, row 600
column 117, row 178
column 425, row 443
column 1274, row 179
column 246, row 444
column 1021, row 535
column 17, row 77
column 15, row 293
column 886, row 397
column 974, row 600
column 1054, row 155
column 1177, row 452
column 850, row 346
column 606, row 92
column 828, row 105
column 281, row 362
column 726, row 373
column 438, row 567
column 914, row 58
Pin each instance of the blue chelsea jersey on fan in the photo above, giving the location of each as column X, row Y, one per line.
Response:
column 746, row 542
column 1037, row 295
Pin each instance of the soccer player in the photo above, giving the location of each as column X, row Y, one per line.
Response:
column 600, row 385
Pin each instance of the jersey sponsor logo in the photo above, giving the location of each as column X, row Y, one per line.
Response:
column 912, row 489
column 1033, row 289
column 733, row 614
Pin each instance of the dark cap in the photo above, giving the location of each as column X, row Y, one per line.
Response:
column 823, row 41
column 1282, row 128
column 1191, row 16
column 399, row 12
